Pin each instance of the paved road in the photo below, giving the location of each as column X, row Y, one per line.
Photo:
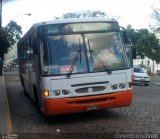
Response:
column 140, row 120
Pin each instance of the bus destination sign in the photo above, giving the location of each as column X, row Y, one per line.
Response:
column 76, row 27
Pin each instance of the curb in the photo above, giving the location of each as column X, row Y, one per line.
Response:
column 157, row 83
column 5, row 119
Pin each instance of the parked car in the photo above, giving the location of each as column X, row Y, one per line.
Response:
column 158, row 72
column 140, row 76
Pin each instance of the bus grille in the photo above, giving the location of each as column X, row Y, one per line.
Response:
column 90, row 89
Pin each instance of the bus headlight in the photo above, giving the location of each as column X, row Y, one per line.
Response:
column 122, row 85
column 61, row 92
column 65, row 92
column 56, row 92
column 114, row 87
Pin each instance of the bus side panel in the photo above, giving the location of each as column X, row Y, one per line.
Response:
column 83, row 104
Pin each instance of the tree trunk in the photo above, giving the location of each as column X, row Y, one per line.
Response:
column 1, row 62
column 0, row 70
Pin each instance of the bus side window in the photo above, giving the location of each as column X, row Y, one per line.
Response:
column 34, row 46
column 45, row 53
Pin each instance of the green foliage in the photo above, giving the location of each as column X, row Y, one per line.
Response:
column 156, row 15
column 145, row 43
column 3, row 42
column 84, row 14
column 14, row 31
column 8, row 37
column 71, row 15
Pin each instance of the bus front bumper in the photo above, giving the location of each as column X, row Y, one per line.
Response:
column 86, row 103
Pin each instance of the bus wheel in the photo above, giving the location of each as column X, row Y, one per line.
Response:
column 146, row 84
column 36, row 97
column 24, row 90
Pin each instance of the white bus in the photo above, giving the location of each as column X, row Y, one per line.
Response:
column 75, row 65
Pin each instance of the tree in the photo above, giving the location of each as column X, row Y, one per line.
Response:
column 8, row 36
column 145, row 43
column 71, row 15
column 133, row 36
column 84, row 14
column 156, row 14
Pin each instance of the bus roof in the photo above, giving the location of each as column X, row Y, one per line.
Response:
column 66, row 20
column 74, row 20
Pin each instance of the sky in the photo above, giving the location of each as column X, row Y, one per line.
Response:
column 137, row 13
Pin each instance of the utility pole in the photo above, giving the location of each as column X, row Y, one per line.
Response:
column 0, row 31
column 0, row 14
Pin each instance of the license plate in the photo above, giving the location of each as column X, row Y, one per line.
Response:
column 142, row 79
column 92, row 108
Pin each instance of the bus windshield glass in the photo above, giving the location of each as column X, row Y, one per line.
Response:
column 58, row 53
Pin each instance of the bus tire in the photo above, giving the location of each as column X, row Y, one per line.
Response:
column 24, row 90
column 146, row 84
column 36, row 97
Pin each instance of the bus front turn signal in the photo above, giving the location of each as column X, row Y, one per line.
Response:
column 46, row 93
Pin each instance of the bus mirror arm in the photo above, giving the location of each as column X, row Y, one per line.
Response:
column 125, row 37
column 128, row 43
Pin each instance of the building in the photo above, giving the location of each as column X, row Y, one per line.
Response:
column 11, row 55
column 147, row 63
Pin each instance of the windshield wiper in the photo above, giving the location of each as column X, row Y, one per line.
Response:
column 100, row 60
column 78, row 54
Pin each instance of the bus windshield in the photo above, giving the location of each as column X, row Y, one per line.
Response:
column 58, row 53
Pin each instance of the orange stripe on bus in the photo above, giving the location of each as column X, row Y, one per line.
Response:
column 79, row 104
